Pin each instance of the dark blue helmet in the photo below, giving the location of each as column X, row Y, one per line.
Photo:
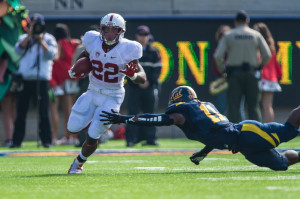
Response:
column 182, row 94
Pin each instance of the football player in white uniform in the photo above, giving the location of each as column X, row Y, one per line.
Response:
column 113, row 57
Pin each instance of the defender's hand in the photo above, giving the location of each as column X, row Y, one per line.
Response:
column 112, row 118
column 130, row 70
column 197, row 157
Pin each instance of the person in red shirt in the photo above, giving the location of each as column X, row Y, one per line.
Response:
column 63, row 88
column 270, row 74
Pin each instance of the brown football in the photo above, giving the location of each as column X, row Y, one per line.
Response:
column 82, row 67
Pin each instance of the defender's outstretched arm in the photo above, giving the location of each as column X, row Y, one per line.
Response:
column 143, row 119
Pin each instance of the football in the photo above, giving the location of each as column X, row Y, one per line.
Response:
column 81, row 68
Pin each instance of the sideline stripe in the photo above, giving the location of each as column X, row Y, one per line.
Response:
column 105, row 153
column 111, row 153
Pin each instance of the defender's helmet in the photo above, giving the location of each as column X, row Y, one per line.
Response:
column 182, row 94
column 118, row 25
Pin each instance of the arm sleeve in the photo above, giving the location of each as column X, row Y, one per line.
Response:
column 264, row 50
column 220, row 53
column 18, row 49
column 52, row 48
column 149, row 120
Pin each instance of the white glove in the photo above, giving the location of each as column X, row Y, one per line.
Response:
column 72, row 74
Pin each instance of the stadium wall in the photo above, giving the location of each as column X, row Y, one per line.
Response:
column 163, row 7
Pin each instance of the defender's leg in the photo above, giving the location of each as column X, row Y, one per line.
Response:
column 270, row 158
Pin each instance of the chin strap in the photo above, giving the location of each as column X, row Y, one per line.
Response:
column 112, row 42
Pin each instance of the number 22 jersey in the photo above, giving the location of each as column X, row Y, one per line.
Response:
column 106, row 65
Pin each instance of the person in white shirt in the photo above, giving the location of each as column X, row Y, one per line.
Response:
column 113, row 57
column 37, row 49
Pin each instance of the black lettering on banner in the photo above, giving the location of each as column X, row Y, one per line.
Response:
column 66, row 3
column 79, row 3
column 63, row 3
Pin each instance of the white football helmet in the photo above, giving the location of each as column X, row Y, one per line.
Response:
column 118, row 23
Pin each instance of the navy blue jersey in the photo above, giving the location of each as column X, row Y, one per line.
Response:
column 204, row 123
column 256, row 141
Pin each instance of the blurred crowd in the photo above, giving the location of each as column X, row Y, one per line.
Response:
column 34, row 64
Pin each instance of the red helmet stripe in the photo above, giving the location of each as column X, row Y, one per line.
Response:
column 111, row 17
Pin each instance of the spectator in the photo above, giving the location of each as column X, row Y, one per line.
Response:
column 270, row 74
column 63, row 88
column 242, row 67
column 143, row 97
column 10, row 30
column 221, row 97
column 37, row 48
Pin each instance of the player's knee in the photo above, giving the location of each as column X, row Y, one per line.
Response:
column 97, row 129
column 76, row 124
column 74, row 127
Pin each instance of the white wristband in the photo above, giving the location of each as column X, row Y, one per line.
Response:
column 133, row 77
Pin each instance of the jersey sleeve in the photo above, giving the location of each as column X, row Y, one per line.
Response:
column 88, row 38
column 136, row 50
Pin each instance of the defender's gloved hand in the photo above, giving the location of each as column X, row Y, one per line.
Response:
column 112, row 118
column 130, row 70
column 197, row 157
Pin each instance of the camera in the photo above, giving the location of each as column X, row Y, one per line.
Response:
column 38, row 28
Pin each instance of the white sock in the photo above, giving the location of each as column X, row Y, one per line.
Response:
column 82, row 157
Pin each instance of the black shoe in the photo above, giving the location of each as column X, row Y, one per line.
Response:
column 14, row 146
column 152, row 143
column 47, row 145
column 78, row 145
column 130, row 144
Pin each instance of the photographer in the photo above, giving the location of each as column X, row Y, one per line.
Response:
column 37, row 49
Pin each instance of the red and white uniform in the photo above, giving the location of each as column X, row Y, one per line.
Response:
column 270, row 75
column 105, row 91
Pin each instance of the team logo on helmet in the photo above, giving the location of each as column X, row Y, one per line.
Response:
column 182, row 94
column 176, row 95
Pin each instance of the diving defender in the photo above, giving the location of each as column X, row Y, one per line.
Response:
column 202, row 122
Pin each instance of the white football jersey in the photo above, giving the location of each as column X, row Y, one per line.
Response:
column 106, row 65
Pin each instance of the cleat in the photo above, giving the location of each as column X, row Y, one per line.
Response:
column 75, row 168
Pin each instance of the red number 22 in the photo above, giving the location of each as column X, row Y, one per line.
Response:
column 107, row 74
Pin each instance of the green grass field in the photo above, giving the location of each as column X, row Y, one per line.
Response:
column 148, row 176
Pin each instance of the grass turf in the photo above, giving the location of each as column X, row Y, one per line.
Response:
column 159, row 176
